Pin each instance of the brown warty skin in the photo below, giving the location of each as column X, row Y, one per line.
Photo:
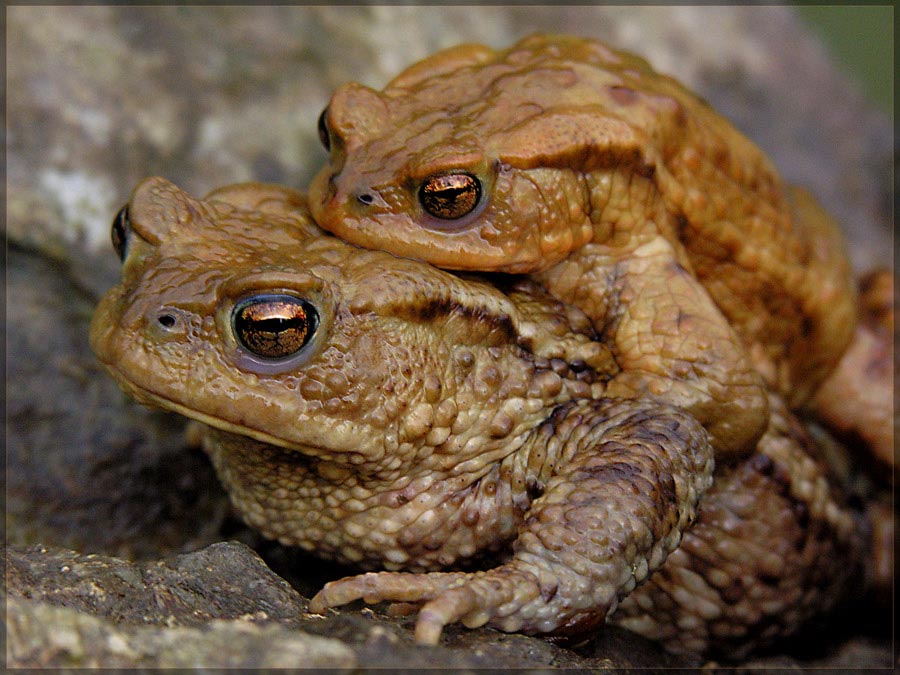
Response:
column 623, row 194
column 384, row 413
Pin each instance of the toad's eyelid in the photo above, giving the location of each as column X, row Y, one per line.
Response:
column 472, row 163
column 301, row 284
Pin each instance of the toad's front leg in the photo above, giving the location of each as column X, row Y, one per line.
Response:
column 670, row 341
column 621, row 481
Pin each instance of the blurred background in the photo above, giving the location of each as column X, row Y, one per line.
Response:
column 861, row 40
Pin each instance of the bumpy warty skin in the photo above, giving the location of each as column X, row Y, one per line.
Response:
column 616, row 485
column 418, row 426
column 774, row 547
column 431, row 418
column 624, row 194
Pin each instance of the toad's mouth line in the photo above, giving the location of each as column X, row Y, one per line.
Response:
column 149, row 397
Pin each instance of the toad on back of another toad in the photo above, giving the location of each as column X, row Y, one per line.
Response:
column 622, row 193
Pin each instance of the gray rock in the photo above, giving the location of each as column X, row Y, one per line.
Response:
column 42, row 635
column 222, row 581
column 89, row 469
column 223, row 607
column 102, row 96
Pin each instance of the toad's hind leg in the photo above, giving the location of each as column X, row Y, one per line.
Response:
column 620, row 482
column 775, row 544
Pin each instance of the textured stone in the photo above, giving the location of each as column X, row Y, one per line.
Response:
column 43, row 635
column 223, row 607
column 88, row 468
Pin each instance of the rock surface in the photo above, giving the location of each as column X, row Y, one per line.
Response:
column 103, row 96
column 223, row 607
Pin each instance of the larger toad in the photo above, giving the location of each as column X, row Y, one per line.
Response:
column 622, row 193
column 381, row 412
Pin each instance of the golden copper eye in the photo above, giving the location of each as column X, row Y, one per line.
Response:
column 323, row 131
column 121, row 228
column 274, row 326
column 450, row 196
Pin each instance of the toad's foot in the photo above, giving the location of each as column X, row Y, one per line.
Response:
column 505, row 596
column 624, row 483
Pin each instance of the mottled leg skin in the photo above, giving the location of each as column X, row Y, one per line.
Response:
column 619, row 483
column 775, row 545
column 857, row 400
column 669, row 339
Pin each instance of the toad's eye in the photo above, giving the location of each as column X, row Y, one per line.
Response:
column 323, row 131
column 274, row 326
column 121, row 229
column 450, row 196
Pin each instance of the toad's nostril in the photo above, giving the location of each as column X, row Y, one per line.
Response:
column 369, row 197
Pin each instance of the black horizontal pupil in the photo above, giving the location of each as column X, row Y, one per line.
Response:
column 277, row 324
column 167, row 320
column 452, row 192
column 448, row 198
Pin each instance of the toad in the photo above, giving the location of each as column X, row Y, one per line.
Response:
column 622, row 193
column 382, row 412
